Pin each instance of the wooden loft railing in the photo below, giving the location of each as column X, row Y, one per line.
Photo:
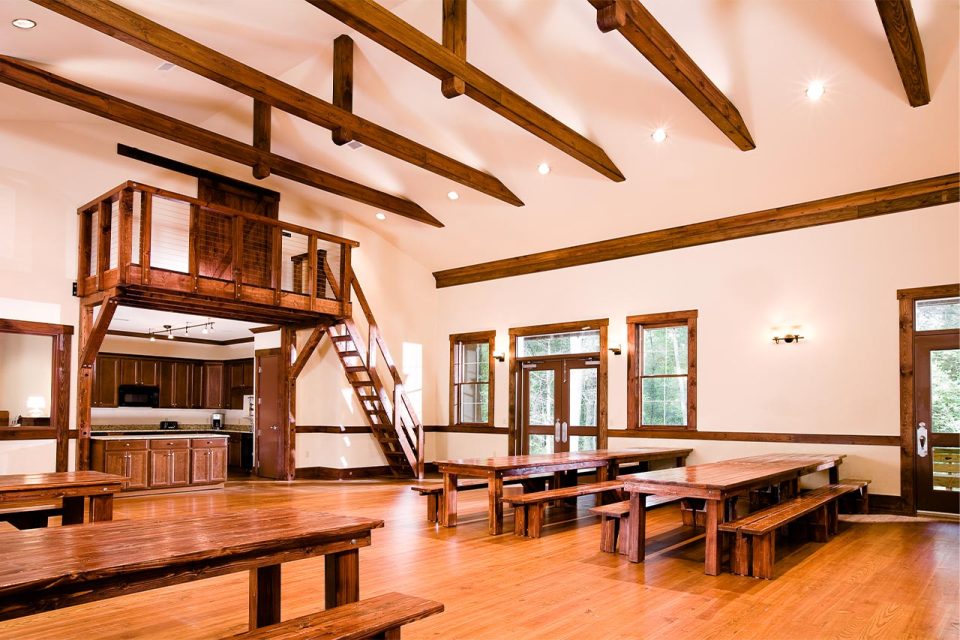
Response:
column 163, row 248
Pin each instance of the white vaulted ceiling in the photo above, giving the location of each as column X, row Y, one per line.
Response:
column 760, row 53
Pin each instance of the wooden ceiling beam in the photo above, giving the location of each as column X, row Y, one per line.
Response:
column 17, row 73
column 907, row 196
column 385, row 28
column 454, row 39
column 125, row 25
column 262, row 122
column 648, row 36
column 342, row 83
column 904, row 38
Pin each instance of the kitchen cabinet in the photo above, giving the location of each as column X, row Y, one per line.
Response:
column 169, row 463
column 139, row 371
column 213, row 385
column 239, row 382
column 176, row 384
column 128, row 459
column 208, row 460
column 106, row 376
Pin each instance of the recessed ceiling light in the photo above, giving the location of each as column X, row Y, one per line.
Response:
column 543, row 168
column 659, row 135
column 453, row 195
column 381, row 216
column 815, row 90
column 24, row 23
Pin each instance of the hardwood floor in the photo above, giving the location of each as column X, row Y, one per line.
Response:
column 876, row 579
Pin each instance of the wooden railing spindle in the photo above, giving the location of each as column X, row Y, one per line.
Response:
column 146, row 230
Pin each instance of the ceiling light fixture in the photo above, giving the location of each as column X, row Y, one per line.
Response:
column 453, row 195
column 815, row 90
column 659, row 135
column 168, row 329
column 24, row 23
column 381, row 216
column 543, row 168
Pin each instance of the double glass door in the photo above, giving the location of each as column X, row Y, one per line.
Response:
column 558, row 404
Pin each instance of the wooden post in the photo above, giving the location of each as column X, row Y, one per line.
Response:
column 346, row 280
column 59, row 411
column 103, row 240
column 84, row 249
column 146, row 238
column 342, row 83
column 454, row 39
column 261, row 137
column 84, row 390
column 312, row 270
column 193, row 246
column 237, row 257
column 288, row 398
column 125, row 235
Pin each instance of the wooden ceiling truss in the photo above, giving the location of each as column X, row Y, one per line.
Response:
column 904, row 38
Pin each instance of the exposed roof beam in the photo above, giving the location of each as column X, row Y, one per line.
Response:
column 919, row 194
column 342, row 83
column 262, row 126
column 383, row 27
column 42, row 83
column 904, row 39
column 642, row 30
column 125, row 25
column 454, row 39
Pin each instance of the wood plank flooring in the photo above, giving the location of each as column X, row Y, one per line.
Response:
column 876, row 579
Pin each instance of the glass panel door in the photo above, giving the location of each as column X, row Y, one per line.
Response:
column 540, row 396
column 579, row 424
column 937, row 398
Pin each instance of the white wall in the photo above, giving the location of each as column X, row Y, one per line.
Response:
column 25, row 371
column 837, row 282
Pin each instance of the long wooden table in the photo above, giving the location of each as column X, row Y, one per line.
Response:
column 69, row 486
column 44, row 569
column 716, row 482
column 495, row 470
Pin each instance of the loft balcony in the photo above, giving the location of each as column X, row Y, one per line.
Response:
column 154, row 248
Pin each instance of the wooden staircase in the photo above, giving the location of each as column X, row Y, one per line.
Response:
column 391, row 416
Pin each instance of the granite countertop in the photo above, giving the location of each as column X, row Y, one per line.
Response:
column 161, row 435
column 183, row 428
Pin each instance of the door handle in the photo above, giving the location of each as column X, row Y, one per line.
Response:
column 564, row 435
column 274, row 427
column 922, row 440
column 556, row 432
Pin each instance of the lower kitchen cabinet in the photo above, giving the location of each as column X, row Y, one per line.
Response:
column 162, row 463
column 208, row 461
column 169, row 463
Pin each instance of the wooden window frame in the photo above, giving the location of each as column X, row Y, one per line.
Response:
column 600, row 325
column 636, row 324
column 476, row 337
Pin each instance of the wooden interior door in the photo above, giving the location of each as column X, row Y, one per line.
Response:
column 270, row 443
column 937, row 411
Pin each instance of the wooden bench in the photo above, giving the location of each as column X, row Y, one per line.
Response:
column 379, row 617
column 434, row 493
column 529, row 507
column 614, row 517
column 755, row 534
column 30, row 516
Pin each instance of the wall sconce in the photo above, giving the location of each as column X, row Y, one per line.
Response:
column 499, row 357
column 788, row 338
column 615, row 350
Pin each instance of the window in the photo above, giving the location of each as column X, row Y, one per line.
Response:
column 662, row 371
column 471, row 378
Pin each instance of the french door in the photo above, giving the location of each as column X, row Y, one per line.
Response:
column 937, row 412
column 558, row 404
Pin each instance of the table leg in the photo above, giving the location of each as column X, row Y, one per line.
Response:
column 72, row 510
column 341, row 578
column 494, row 495
column 101, row 507
column 635, row 531
column 264, row 596
column 834, row 474
column 449, row 509
column 714, row 518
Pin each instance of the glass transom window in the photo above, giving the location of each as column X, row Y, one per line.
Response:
column 553, row 344
column 943, row 313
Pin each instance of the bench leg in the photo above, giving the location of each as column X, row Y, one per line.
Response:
column 520, row 520
column 833, row 517
column 624, row 533
column 820, row 523
column 264, row 596
column 763, row 555
column 433, row 512
column 72, row 510
column 865, row 499
column 535, row 515
column 740, row 560
column 101, row 508
column 341, row 578
column 389, row 634
column 609, row 532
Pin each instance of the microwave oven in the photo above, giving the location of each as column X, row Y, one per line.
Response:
column 138, row 395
